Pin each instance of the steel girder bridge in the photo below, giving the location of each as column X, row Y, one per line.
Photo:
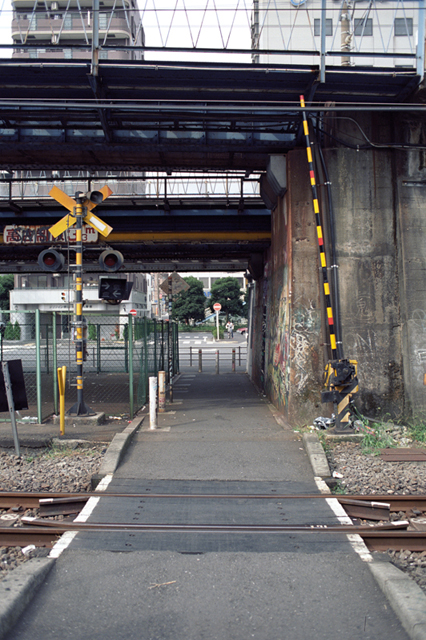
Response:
column 98, row 117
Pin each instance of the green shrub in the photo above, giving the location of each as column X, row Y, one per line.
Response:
column 17, row 331
column 221, row 333
column 93, row 332
column 9, row 331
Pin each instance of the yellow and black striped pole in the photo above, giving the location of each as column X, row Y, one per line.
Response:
column 320, row 236
column 80, row 211
column 340, row 376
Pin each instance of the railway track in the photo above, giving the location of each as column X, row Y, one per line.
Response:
column 386, row 535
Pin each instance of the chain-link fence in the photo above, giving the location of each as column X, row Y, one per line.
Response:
column 120, row 353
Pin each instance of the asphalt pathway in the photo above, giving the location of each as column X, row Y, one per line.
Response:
column 218, row 438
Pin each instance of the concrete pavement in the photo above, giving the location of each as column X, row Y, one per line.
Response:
column 221, row 435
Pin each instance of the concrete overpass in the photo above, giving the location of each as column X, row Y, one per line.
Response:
column 369, row 142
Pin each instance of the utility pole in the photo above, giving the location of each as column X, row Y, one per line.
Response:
column 80, row 408
column 81, row 208
column 345, row 34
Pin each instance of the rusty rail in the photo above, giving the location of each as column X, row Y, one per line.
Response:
column 32, row 500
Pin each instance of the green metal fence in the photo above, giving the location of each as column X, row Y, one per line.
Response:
column 121, row 352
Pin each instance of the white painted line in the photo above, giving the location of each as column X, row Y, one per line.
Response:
column 86, row 512
column 355, row 540
column 104, row 482
column 63, row 542
column 66, row 539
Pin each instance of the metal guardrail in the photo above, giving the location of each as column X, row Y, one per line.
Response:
column 338, row 32
column 225, row 359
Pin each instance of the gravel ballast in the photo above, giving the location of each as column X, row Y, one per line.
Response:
column 69, row 469
column 57, row 469
column 367, row 473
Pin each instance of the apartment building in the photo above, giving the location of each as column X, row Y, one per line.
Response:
column 380, row 27
column 63, row 29
column 51, row 292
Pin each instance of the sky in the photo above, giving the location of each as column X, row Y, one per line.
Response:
column 179, row 23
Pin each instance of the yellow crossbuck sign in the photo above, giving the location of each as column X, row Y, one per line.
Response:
column 69, row 220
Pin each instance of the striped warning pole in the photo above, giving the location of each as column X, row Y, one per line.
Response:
column 320, row 236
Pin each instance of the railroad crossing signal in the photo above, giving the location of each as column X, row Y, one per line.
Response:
column 69, row 203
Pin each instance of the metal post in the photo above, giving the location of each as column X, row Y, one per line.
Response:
column 345, row 34
column 170, row 336
column 421, row 40
column 162, row 347
column 233, row 360
column 155, row 348
column 131, row 398
column 95, row 38
column 323, row 33
column 98, row 348
column 217, row 361
column 55, row 364
column 200, row 360
column 161, row 391
column 190, row 356
column 153, row 402
column 177, row 368
column 47, row 349
column 79, row 408
column 9, row 396
column 145, row 356
column 38, row 365
column 239, row 356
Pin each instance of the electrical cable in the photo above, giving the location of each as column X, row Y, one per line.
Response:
column 334, row 265
column 370, row 145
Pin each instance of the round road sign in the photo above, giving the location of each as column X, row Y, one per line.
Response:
column 133, row 312
column 217, row 306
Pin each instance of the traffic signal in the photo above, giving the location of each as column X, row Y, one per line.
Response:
column 51, row 260
column 111, row 260
column 114, row 290
column 63, row 296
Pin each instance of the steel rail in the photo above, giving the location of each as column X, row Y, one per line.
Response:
column 9, row 499
column 215, row 528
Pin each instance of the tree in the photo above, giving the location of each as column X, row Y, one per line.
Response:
column 190, row 304
column 9, row 333
column 6, row 284
column 17, row 331
column 227, row 291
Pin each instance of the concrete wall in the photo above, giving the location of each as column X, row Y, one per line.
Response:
column 379, row 198
column 410, row 184
column 287, row 361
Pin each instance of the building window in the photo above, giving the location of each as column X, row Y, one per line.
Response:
column 68, row 22
column 103, row 55
column 67, row 53
column 363, row 27
column 103, row 21
column 403, row 26
column 33, row 23
column 328, row 27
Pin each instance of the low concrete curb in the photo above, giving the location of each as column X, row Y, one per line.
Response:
column 19, row 588
column 405, row 596
column 316, row 455
column 116, row 449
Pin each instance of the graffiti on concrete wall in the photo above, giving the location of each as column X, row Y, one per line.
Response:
column 278, row 356
column 304, row 345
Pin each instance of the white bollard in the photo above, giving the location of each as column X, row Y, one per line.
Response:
column 153, row 385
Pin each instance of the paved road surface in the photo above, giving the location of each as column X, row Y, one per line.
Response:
column 219, row 437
